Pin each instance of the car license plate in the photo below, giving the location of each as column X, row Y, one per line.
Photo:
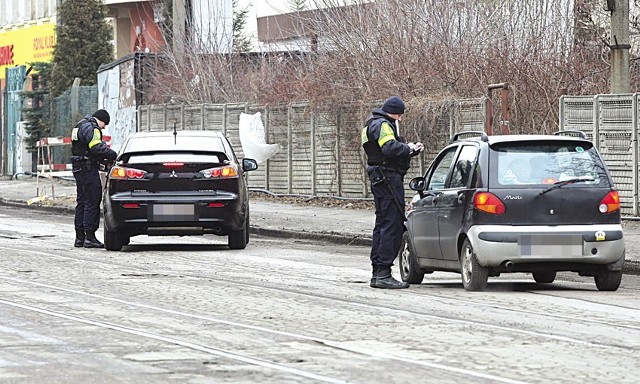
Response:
column 550, row 245
column 173, row 212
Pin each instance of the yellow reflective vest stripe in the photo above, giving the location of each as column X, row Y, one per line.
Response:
column 386, row 134
column 97, row 138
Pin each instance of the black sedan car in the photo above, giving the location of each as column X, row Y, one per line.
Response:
column 176, row 183
column 537, row 204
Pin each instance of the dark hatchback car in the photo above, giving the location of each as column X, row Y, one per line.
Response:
column 518, row 203
column 177, row 183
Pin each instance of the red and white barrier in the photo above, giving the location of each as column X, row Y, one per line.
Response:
column 52, row 141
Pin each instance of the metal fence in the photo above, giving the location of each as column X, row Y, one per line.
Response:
column 320, row 151
column 611, row 122
column 64, row 111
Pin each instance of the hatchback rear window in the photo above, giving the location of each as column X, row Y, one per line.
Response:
column 536, row 163
column 178, row 143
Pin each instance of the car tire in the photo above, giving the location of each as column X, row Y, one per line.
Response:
column 409, row 270
column 608, row 280
column 474, row 275
column 247, row 228
column 112, row 240
column 238, row 239
column 544, row 277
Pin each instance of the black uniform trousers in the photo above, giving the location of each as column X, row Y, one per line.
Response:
column 389, row 226
column 89, row 196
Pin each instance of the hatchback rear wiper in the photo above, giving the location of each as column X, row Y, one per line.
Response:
column 556, row 185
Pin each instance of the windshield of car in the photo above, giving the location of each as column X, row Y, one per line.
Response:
column 546, row 163
column 178, row 143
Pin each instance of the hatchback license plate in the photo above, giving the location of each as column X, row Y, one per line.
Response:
column 550, row 245
column 173, row 212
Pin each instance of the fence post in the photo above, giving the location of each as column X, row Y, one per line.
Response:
column 164, row 116
column 267, row 124
column 596, row 122
column 202, row 116
column 363, row 161
column 182, row 116
column 313, row 153
column 289, row 149
column 634, row 151
column 338, row 150
column 149, row 111
column 224, row 119
column 138, row 118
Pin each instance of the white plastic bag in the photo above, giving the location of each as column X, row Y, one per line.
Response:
column 253, row 140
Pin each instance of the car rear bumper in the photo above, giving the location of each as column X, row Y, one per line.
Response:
column 569, row 245
column 174, row 215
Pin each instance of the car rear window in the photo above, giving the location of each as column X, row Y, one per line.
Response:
column 536, row 163
column 177, row 143
column 182, row 157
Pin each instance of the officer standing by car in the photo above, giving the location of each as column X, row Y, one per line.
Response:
column 88, row 152
column 388, row 157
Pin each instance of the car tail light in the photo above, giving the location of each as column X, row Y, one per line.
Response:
column 488, row 202
column 122, row 173
column 215, row 205
column 131, row 205
column 173, row 164
column 610, row 203
column 226, row 172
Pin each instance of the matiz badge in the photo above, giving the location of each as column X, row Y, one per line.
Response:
column 600, row 236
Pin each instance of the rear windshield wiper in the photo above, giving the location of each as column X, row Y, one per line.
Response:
column 556, row 185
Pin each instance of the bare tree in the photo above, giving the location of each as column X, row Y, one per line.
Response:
column 425, row 50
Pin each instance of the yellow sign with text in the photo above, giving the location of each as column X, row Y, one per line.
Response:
column 26, row 45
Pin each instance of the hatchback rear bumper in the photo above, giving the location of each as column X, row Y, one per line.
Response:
column 565, row 245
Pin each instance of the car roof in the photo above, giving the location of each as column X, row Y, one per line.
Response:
column 496, row 139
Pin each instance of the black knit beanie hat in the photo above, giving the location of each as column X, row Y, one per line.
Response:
column 394, row 105
column 102, row 115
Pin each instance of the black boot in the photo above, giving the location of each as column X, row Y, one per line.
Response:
column 79, row 238
column 382, row 278
column 90, row 241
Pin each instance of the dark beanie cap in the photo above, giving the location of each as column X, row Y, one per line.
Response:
column 394, row 105
column 102, row 115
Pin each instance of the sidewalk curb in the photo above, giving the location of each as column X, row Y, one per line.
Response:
column 332, row 238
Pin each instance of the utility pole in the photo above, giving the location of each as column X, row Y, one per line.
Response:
column 179, row 23
column 619, row 45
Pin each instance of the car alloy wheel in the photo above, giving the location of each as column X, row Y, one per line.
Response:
column 409, row 270
column 474, row 275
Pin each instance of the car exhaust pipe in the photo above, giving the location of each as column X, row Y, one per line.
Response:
column 508, row 265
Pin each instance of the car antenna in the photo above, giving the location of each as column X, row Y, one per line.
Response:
column 175, row 134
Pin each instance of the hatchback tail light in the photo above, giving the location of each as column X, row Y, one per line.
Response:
column 226, row 172
column 610, row 203
column 173, row 164
column 488, row 202
column 123, row 173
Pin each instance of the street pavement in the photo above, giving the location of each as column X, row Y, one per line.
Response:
column 268, row 217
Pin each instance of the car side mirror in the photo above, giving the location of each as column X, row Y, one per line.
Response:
column 249, row 165
column 418, row 184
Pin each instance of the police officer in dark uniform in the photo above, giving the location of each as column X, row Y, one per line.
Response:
column 88, row 152
column 388, row 157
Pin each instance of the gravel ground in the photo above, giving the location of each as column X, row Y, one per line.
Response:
column 331, row 202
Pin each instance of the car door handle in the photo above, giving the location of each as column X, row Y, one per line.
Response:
column 461, row 198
